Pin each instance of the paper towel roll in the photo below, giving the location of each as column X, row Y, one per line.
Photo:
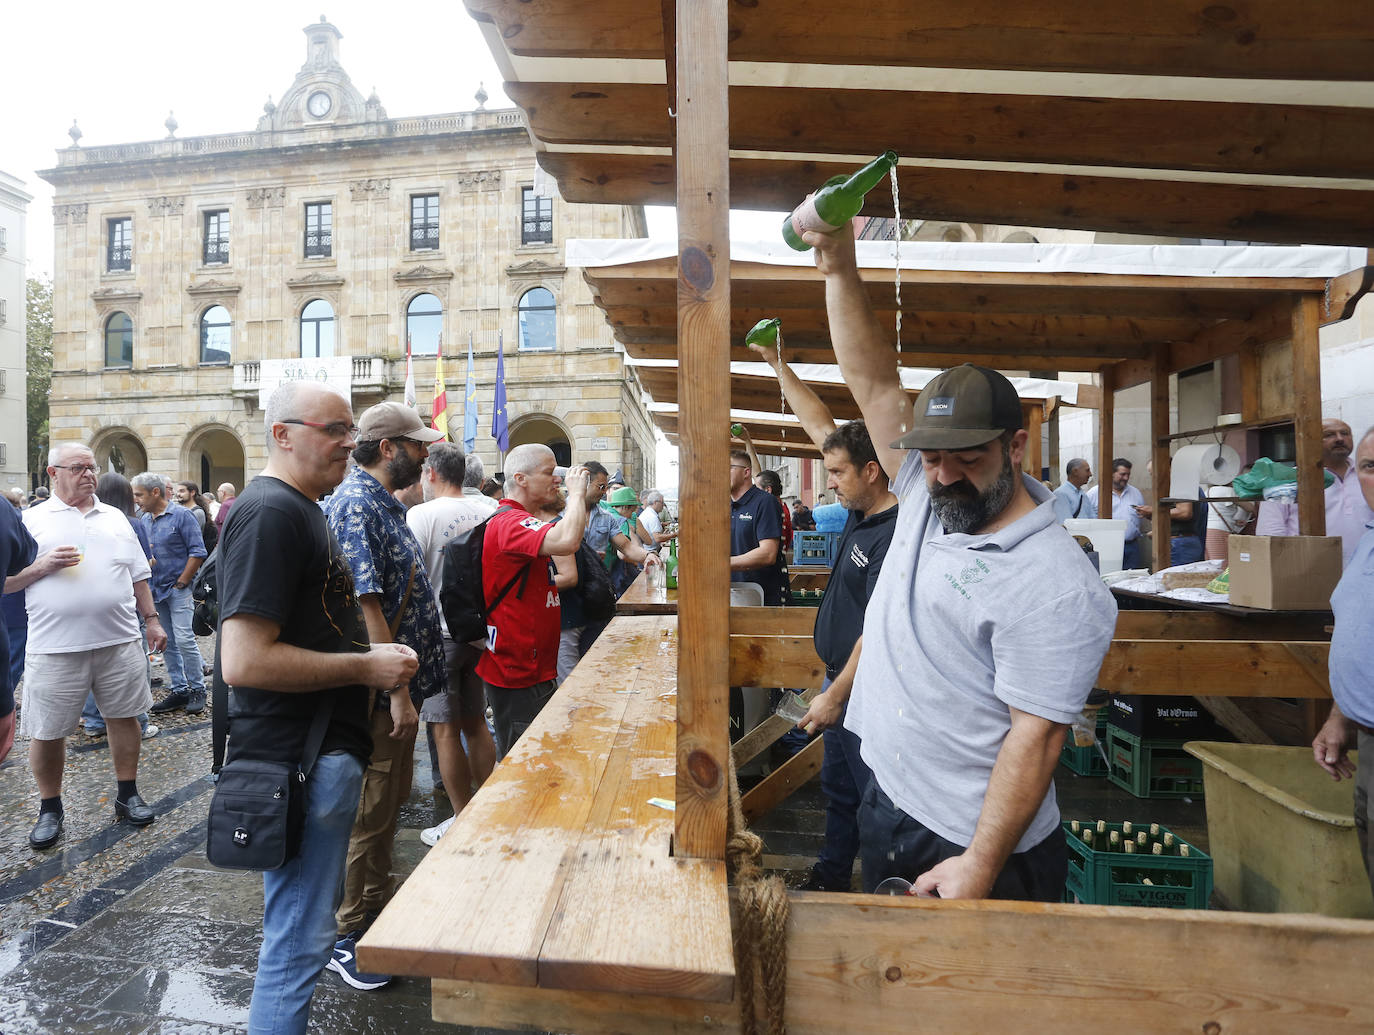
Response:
column 1195, row 467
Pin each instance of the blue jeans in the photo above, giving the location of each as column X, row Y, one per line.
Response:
column 182, row 657
column 300, row 898
column 1184, row 549
column 844, row 778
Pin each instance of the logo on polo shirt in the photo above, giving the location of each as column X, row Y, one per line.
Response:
column 858, row 557
column 745, row 517
column 940, row 406
column 532, row 523
column 973, row 574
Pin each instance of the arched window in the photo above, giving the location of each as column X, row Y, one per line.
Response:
column 317, row 330
column 215, row 333
column 119, row 341
column 538, row 319
column 424, row 323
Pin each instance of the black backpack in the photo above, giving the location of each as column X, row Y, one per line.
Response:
column 460, row 591
column 205, row 592
column 594, row 584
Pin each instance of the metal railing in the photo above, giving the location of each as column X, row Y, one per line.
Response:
column 216, row 250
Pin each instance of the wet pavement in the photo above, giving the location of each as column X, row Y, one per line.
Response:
column 123, row 930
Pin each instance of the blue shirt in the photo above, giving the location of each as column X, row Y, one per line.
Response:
column 175, row 538
column 1352, row 638
column 382, row 551
column 1069, row 503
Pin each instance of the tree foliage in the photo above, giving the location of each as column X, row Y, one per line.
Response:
column 39, row 355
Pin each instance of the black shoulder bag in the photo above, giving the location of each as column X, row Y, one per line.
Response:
column 258, row 808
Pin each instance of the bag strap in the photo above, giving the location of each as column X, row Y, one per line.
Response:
column 521, row 576
column 395, row 623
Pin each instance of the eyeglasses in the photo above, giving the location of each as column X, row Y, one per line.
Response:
column 78, row 468
column 740, row 467
column 336, row 429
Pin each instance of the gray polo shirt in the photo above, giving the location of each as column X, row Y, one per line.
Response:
column 960, row 629
column 1352, row 680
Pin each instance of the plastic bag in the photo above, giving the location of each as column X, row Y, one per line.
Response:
column 1269, row 480
column 1221, row 584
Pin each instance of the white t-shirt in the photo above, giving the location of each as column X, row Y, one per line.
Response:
column 1224, row 514
column 91, row 604
column 649, row 518
column 959, row 630
column 436, row 523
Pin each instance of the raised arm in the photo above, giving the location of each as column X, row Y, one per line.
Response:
column 864, row 350
column 754, row 466
column 814, row 415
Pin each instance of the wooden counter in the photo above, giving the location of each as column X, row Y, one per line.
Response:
column 559, row 874
column 640, row 599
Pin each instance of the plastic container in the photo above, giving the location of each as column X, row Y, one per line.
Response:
column 1282, row 832
column 1108, row 538
column 814, row 549
column 1152, row 768
column 1117, row 879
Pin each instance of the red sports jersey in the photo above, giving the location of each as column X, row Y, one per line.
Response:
column 522, row 631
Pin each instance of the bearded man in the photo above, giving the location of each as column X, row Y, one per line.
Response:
column 982, row 637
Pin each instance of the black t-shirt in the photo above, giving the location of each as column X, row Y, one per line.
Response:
column 279, row 560
column 858, row 559
column 754, row 517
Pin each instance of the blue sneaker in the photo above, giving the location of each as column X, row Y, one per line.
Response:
column 344, row 962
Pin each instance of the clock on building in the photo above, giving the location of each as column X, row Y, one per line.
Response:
column 319, row 104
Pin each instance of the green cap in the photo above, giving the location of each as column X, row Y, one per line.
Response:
column 963, row 407
column 623, row 497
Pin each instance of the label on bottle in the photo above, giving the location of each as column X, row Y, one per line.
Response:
column 804, row 218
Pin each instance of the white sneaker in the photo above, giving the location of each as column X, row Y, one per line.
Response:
column 151, row 730
column 431, row 835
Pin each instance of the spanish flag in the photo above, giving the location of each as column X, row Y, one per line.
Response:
column 440, row 417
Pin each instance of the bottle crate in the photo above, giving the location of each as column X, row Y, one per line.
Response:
column 1152, row 768
column 1116, row 878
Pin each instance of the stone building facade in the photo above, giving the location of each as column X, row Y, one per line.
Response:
column 192, row 275
column 14, row 201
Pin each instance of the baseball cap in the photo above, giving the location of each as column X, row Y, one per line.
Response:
column 623, row 497
column 394, row 420
column 963, row 407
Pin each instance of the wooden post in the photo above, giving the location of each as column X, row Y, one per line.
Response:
column 703, row 323
column 1159, row 454
column 1307, row 414
column 1034, row 460
column 1106, row 435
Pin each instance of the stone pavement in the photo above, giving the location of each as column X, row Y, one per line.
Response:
column 131, row 931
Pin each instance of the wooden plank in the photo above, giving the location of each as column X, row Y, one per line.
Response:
column 1032, row 462
column 641, row 599
column 775, row 661
column 1249, row 383
column 772, row 621
column 1037, row 129
column 779, row 784
column 1244, row 728
column 1159, row 454
column 863, row 964
column 1261, row 39
column 632, row 918
column 1106, row 445
column 1307, row 407
column 1279, row 214
column 1343, row 293
column 912, row 356
column 1214, row 625
column 765, row 734
column 703, row 211
column 1229, row 668
column 479, row 904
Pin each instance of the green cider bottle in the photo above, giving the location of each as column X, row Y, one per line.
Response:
column 837, row 202
column 670, row 566
column 737, row 430
column 764, row 333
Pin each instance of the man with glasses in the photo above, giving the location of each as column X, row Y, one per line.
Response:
column 86, row 589
column 293, row 643
column 391, row 579
column 178, row 552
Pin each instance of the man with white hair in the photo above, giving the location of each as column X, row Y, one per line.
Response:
column 473, row 477
column 519, row 665
column 650, row 522
column 85, row 592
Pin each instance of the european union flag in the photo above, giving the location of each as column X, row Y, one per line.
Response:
column 499, row 425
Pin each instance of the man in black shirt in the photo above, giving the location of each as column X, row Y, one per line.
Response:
column 861, row 485
column 292, row 641
column 755, row 533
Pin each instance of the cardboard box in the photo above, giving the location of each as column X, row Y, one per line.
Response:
column 1156, row 717
column 1284, row 573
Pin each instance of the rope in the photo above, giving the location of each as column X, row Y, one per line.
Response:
column 761, row 935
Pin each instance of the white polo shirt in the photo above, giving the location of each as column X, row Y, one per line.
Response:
column 91, row 604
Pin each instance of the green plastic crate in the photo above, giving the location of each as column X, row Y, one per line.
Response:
column 1105, row 878
column 1152, row 768
column 1086, row 761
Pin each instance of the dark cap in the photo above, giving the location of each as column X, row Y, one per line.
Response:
column 963, row 407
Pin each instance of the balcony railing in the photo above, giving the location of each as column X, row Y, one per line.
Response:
column 319, row 246
column 216, row 250
column 119, row 258
column 424, row 238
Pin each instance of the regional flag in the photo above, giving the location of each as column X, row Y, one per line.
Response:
column 410, row 377
column 440, row 417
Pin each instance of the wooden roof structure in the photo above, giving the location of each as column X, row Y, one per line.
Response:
column 1242, row 121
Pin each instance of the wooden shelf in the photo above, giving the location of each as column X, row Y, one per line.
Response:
column 1223, row 428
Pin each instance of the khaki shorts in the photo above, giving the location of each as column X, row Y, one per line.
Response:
column 56, row 685
column 463, row 696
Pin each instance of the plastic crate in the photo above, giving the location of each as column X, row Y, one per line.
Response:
column 1086, row 761
column 1152, row 768
column 1105, row 878
column 814, row 549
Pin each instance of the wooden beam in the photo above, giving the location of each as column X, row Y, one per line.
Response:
column 911, row 356
column 766, row 734
column 1159, row 455
column 1307, row 407
column 1235, row 721
column 1279, row 214
column 703, row 210
column 1229, row 668
column 1343, row 293
column 775, row 661
column 1033, row 459
column 783, row 781
column 1215, row 625
column 1257, row 39
column 1106, row 445
column 1036, row 129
